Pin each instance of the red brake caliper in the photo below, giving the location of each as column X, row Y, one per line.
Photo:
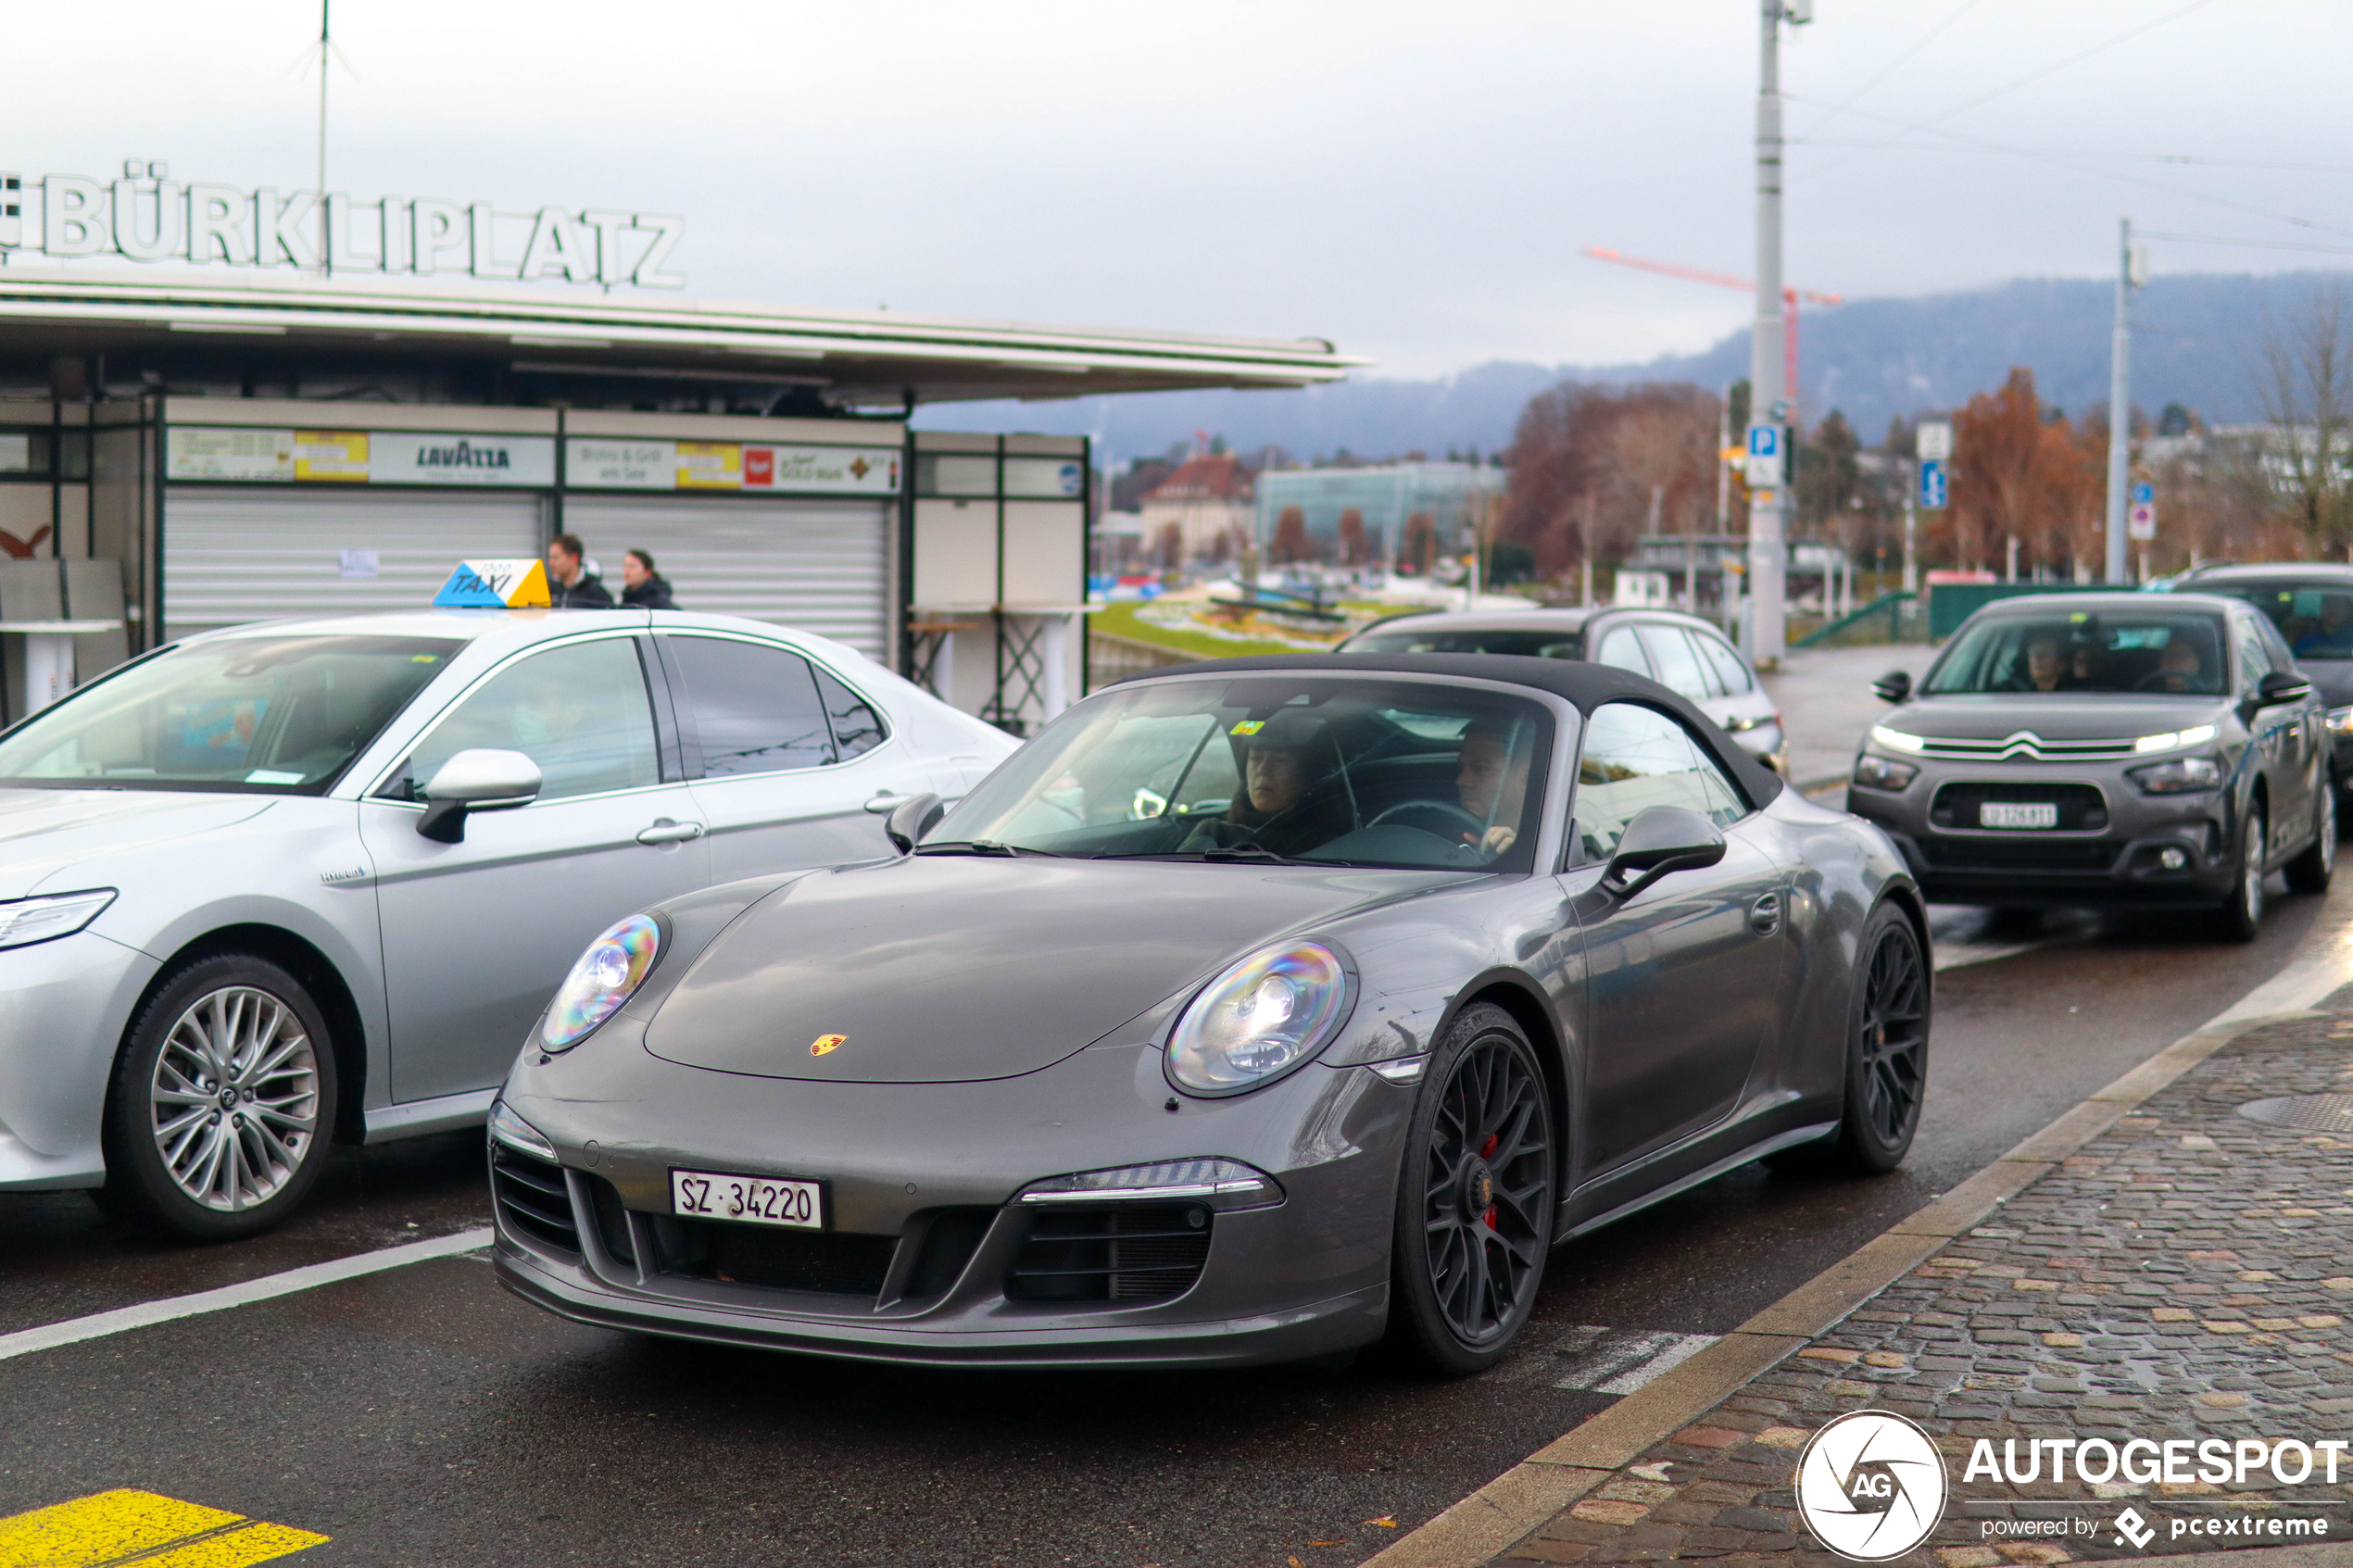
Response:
column 1487, row 1150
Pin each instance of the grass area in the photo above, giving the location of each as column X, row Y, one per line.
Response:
column 1121, row 621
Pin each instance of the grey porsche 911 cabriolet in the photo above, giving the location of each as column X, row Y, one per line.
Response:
column 1251, row 1012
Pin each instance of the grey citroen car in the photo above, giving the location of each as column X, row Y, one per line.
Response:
column 1251, row 1010
column 2106, row 749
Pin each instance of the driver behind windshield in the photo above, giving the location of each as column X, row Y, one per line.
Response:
column 2042, row 662
column 1493, row 783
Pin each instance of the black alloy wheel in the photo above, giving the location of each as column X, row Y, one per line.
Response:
column 2310, row 871
column 2241, row 917
column 1887, row 1049
column 1475, row 1212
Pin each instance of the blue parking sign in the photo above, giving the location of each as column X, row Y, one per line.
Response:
column 2144, row 494
column 1931, row 483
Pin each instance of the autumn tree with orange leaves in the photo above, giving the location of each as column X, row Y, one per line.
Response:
column 2018, row 474
column 1584, row 452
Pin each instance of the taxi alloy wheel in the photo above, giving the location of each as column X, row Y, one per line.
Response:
column 1887, row 1057
column 1476, row 1206
column 222, row 1103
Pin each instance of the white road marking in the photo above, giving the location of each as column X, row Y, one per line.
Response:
column 24, row 1342
column 1620, row 1361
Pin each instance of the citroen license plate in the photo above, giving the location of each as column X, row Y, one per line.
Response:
column 753, row 1200
column 2017, row 814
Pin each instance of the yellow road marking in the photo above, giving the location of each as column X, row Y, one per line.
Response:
column 142, row 1528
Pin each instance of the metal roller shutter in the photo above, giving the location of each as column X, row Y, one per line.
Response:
column 815, row 566
column 259, row 555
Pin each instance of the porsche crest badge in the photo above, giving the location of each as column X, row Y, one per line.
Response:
column 825, row 1045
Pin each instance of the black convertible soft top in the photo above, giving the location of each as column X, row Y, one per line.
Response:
column 1585, row 686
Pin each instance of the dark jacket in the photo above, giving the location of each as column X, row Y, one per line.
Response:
column 589, row 593
column 652, row 594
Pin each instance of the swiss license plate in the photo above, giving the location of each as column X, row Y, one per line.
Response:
column 2016, row 814
column 753, row 1200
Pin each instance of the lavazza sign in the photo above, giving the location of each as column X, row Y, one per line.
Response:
column 147, row 215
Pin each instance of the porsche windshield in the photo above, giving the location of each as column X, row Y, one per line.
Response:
column 266, row 715
column 2177, row 654
column 1259, row 768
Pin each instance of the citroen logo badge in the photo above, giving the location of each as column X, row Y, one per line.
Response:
column 825, row 1044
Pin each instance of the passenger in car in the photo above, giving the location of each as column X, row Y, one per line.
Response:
column 1290, row 800
column 1493, row 783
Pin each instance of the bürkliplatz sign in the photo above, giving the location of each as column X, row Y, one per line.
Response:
column 144, row 215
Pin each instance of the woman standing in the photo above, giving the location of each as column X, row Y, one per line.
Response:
column 641, row 587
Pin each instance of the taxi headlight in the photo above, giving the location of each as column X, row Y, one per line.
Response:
column 2341, row 721
column 605, row 976
column 1883, row 772
column 1259, row 1019
column 2184, row 775
column 26, row 921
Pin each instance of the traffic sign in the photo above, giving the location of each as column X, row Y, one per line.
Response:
column 2140, row 518
column 1931, row 483
column 2144, row 494
column 1764, row 466
column 1933, row 440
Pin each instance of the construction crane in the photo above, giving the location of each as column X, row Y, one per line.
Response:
column 1790, row 298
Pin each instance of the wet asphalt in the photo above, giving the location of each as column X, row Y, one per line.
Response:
column 423, row 1416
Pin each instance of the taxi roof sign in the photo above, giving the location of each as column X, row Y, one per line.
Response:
column 495, row 584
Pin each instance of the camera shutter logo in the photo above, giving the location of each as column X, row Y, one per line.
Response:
column 1870, row 1486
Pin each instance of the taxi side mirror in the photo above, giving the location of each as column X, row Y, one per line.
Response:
column 1893, row 686
column 1661, row 840
column 912, row 818
column 476, row 780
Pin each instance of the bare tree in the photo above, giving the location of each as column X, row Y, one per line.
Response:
column 2306, row 381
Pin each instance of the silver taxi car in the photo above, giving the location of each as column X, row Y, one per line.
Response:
column 1680, row 652
column 306, row 882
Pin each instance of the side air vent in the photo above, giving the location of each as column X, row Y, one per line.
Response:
column 533, row 1200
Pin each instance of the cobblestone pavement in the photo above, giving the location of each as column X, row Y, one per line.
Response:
column 2186, row 1275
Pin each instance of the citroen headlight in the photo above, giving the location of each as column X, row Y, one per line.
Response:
column 26, row 921
column 2184, row 775
column 1260, row 1017
column 1896, row 740
column 1883, row 772
column 606, row 976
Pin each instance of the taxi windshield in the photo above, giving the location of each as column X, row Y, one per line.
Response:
column 2153, row 653
column 1550, row 643
column 260, row 715
column 2315, row 618
column 1272, row 768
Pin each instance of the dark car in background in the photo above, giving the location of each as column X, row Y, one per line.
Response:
column 2106, row 749
column 1683, row 653
column 2311, row 603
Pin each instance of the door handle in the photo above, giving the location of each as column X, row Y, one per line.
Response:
column 883, row 800
column 664, row 831
column 1765, row 915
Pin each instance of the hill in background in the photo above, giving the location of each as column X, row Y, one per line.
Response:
column 2195, row 342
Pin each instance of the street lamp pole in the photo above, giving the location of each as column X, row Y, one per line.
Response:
column 1770, row 395
column 2120, row 407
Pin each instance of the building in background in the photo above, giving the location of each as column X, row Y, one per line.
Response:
column 1207, row 501
column 1397, row 508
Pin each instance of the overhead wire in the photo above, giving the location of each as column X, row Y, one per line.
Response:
column 1888, row 69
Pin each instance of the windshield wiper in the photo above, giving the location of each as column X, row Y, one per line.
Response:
column 980, row 847
column 1251, row 853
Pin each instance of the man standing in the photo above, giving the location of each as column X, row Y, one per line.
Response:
column 641, row 587
column 570, row 583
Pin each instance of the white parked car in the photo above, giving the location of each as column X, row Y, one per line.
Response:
column 312, row 881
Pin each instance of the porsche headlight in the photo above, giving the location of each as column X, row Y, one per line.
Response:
column 1262, row 1017
column 606, row 976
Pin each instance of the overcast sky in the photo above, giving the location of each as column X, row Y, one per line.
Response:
column 1415, row 183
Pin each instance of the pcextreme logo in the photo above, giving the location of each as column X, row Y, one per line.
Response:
column 1870, row 1486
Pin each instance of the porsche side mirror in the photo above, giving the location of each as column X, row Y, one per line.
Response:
column 2281, row 685
column 1661, row 840
column 1893, row 686
column 912, row 818
column 476, row 780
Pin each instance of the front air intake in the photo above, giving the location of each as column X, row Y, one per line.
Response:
column 533, row 1201
column 1123, row 1253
